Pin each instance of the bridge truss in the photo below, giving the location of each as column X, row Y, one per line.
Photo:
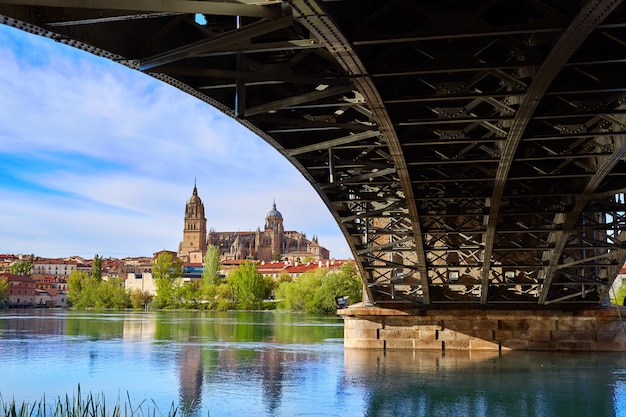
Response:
column 472, row 152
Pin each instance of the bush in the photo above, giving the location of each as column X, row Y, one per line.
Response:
column 315, row 292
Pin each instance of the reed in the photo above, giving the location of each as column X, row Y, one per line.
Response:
column 85, row 405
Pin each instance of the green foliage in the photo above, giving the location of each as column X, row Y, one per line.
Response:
column 211, row 270
column 96, row 269
column 619, row 295
column 283, row 277
column 298, row 295
column 315, row 291
column 4, row 290
column 79, row 288
column 345, row 282
column 249, row 287
column 245, row 289
column 167, row 273
column 224, row 297
column 139, row 299
column 21, row 268
column 88, row 292
column 188, row 295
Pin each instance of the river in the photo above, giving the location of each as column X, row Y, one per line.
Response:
column 283, row 364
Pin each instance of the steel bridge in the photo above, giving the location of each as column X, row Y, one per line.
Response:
column 472, row 152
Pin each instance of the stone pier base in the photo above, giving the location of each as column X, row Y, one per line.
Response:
column 383, row 328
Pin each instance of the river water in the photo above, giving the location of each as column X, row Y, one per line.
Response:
column 282, row 364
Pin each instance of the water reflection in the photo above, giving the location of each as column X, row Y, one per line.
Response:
column 475, row 383
column 191, row 377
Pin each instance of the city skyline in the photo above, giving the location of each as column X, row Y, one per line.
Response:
column 101, row 159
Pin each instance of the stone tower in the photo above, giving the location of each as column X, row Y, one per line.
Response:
column 274, row 225
column 194, row 232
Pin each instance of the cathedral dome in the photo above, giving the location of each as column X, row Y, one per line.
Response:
column 274, row 214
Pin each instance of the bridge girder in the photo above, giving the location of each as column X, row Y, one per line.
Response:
column 471, row 152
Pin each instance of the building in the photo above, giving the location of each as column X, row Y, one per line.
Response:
column 22, row 290
column 54, row 266
column 270, row 243
column 6, row 260
column 194, row 242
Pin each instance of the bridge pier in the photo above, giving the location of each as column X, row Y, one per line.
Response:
column 598, row 330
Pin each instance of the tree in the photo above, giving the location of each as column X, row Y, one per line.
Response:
column 345, row 282
column 139, row 299
column 211, row 270
column 315, row 291
column 96, row 269
column 248, row 285
column 299, row 295
column 188, row 295
column 85, row 291
column 166, row 272
column 4, row 290
column 224, row 297
column 21, row 268
column 82, row 290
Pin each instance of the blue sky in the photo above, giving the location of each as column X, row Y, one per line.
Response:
column 100, row 159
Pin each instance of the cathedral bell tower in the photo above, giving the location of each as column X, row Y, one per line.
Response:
column 194, row 232
column 274, row 228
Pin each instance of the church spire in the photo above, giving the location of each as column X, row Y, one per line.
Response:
column 195, row 190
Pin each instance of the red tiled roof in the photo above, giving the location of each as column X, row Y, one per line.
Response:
column 14, row 277
column 53, row 261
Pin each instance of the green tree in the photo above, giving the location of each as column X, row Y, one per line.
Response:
column 96, row 269
column 315, row 291
column 110, row 294
column 249, row 287
column 167, row 273
column 4, row 290
column 211, row 270
column 85, row 291
column 74, row 287
column 224, row 297
column 345, row 282
column 139, row 299
column 300, row 294
column 188, row 295
column 21, row 268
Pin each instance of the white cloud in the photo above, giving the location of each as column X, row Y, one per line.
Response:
column 100, row 159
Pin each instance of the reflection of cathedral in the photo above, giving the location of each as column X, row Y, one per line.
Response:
column 267, row 244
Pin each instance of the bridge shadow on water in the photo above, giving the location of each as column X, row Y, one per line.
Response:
column 487, row 383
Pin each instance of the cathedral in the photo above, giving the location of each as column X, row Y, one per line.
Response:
column 270, row 243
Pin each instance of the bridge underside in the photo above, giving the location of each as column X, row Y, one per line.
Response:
column 472, row 152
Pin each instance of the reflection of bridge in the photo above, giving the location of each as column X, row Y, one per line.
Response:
column 485, row 383
column 471, row 152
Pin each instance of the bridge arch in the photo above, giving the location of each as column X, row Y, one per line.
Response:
column 471, row 156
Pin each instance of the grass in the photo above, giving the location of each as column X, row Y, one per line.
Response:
column 89, row 405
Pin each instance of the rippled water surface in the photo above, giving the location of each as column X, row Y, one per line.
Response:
column 281, row 364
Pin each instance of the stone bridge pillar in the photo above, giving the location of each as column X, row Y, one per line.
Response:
column 598, row 329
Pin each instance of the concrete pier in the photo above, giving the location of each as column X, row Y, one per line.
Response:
column 598, row 330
